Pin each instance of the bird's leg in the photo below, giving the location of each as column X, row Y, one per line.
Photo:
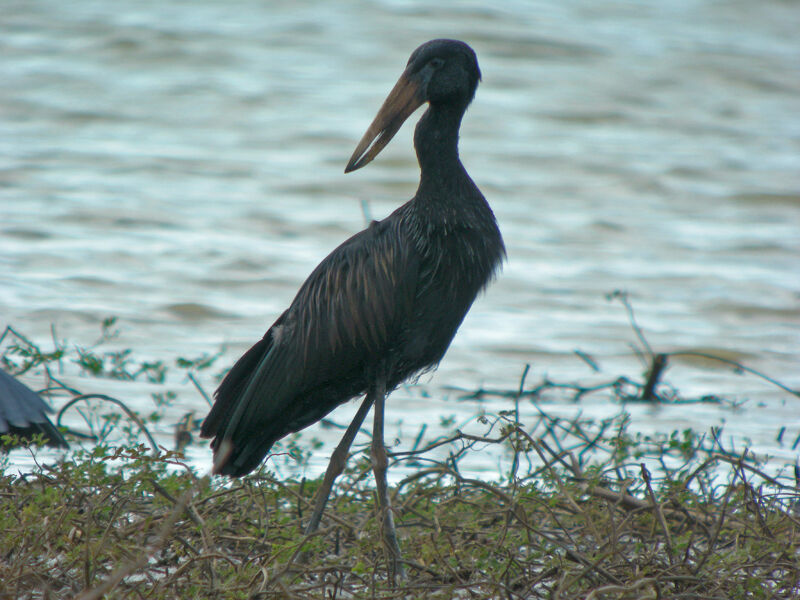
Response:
column 380, row 463
column 336, row 464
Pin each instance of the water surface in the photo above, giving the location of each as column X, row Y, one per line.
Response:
column 179, row 165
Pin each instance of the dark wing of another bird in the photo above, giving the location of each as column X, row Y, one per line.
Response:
column 24, row 413
column 320, row 351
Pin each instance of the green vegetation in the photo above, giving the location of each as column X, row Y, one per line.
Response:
column 585, row 510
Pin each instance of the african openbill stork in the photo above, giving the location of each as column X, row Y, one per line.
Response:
column 382, row 307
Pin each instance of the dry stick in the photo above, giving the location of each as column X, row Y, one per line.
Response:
column 631, row 502
column 201, row 557
column 656, row 369
column 191, row 511
column 626, row 589
column 331, row 515
column 290, row 564
column 129, row 568
column 535, row 392
column 558, row 457
column 658, row 511
column 734, row 460
column 515, row 462
column 573, row 429
column 757, row 504
column 589, row 360
column 595, row 441
column 623, row 297
column 712, row 542
column 738, row 366
column 200, row 389
column 459, row 435
column 61, row 386
column 590, row 565
column 562, row 488
column 11, row 330
column 522, row 518
column 619, row 498
column 132, row 415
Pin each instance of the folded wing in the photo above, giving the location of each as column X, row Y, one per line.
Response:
column 340, row 327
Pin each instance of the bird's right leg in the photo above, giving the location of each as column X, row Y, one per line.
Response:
column 336, row 464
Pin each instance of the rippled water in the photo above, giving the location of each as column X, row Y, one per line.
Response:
column 179, row 165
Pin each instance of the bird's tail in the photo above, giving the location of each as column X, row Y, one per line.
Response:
column 237, row 460
column 236, row 455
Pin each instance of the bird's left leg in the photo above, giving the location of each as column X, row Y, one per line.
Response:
column 336, row 465
column 380, row 463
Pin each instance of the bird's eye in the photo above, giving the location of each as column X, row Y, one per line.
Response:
column 436, row 63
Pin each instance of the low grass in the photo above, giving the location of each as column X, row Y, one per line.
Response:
column 584, row 510
column 126, row 524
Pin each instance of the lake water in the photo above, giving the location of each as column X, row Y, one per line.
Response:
column 180, row 166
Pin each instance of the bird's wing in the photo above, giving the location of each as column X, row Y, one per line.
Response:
column 19, row 405
column 24, row 413
column 352, row 303
column 343, row 318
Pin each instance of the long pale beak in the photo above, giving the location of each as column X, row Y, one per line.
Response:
column 403, row 100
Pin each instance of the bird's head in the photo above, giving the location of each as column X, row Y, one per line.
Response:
column 439, row 72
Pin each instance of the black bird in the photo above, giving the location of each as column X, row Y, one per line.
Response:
column 382, row 307
column 24, row 413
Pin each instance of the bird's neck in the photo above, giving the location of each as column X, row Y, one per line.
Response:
column 436, row 143
column 446, row 198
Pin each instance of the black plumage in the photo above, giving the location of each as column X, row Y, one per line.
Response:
column 385, row 304
column 24, row 413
